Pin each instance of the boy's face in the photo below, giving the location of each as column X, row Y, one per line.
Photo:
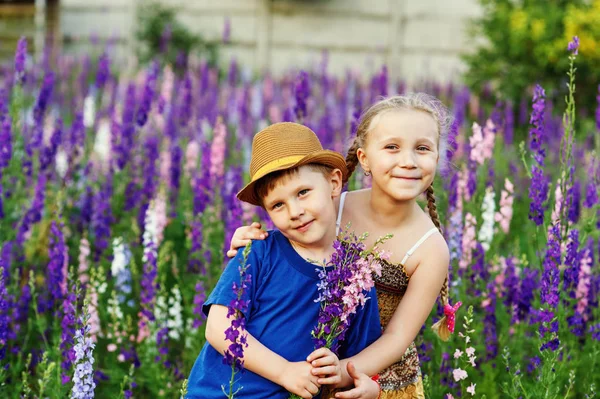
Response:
column 301, row 206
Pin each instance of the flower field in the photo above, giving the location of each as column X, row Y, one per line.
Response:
column 117, row 204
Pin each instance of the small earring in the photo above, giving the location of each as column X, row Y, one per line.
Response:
column 367, row 173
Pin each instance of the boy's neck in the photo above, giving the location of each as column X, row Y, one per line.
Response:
column 315, row 253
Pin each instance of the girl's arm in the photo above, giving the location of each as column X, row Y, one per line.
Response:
column 296, row 377
column 243, row 235
column 413, row 310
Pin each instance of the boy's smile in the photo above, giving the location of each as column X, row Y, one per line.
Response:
column 301, row 206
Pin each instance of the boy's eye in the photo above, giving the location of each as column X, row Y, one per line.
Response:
column 277, row 205
column 303, row 192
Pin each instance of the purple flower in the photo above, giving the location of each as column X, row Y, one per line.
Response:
column 103, row 72
column 57, row 267
column 5, row 142
column 574, row 200
column 551, row 273
column 509, row 122
column 529, row 285
column 302, row 92
column 489, row 323
column 538, row 193
column 67, row 333
column 43, row 99
column 536, row 132
column 149, row 94
column 199, row 299
column 34, row 214
column 4, row 314
column 185, row 110
column 573, row 45
column 84, row 385
column 102, row 218
column 572, row 260
column 227, row 31
column 598, row 110
column 20, row 56
column 591, row 194
column 595, row 331
column 175, row 174
column 48, row 153
column 128, row 128
column 235, row 333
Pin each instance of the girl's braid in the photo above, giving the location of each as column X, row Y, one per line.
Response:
column 441, row 327
column 352, row 159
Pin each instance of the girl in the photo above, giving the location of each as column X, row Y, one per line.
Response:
column 400, row 141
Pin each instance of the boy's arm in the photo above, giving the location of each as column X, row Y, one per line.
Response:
column 296, row 377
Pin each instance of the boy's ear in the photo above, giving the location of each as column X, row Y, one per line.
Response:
column 336, row 182
column 362, row 159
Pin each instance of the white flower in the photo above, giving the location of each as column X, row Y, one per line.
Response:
column 459, row 374
column 458, row 354
column 471, row 389
column 62, row 163
column 89, row 111
column 488, row 209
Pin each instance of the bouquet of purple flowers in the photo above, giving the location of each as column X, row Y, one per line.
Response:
column 344, row 283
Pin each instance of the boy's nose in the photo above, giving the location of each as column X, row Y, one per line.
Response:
column 296, row 210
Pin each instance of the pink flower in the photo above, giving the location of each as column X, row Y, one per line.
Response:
column 504, row 215
column 449, row 396
column 111, row 347
column 459, row 374
column 468, row 241
column 482, row 142
column 471, row 389
column 583, row 287
column 458, row 353
column 470, row 351
column 84, row 252
column 192, row 153
column 217, row 151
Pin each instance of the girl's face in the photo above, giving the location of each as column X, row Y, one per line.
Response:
column 401, row 152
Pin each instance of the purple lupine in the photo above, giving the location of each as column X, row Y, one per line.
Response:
column 185, row 109
column 57, row 266
column 5, row 260
column 162, row 344
column 302, row 92
column 536, row 132
column 201, row 198
column 103, row 72
column 489, row 323
column 48, row 153
column 4, row 316
column 511, row 283
column 76, row 138
column 235, row 333
column 527, row 288
column 509, row 123
column 383, row 81
column 572, row 259
column 5, row 142
column 33, row 214
column 227, row 31
column 128, row 128
column 20, row 56
column 67, row 325
column 573, row 45
column 591, row 194
column 148, row 95
column 43, row 99
column 232, row 74
column 175, row 175
column 538, row 193
column 102, row 218
column 232, row 211
column 551, row 273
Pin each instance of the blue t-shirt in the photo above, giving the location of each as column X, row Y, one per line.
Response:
column 281, row 315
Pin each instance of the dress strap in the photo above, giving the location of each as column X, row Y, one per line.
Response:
column 339, row 218
column 421, row 241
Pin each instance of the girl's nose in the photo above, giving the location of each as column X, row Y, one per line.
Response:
column 407, row 160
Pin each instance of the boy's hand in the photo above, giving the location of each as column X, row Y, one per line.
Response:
column 326, row 365
column 296, row 377
column 243, row 235
column 364, row 387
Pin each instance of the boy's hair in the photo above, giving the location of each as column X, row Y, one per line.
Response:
column 266, row 184
column 443, row 120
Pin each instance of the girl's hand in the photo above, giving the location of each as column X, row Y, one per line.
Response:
column 364, row 387
column 326, row 365
column 297, row 378
column 243, row 235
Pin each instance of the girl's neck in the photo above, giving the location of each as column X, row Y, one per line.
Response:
column 388, row 212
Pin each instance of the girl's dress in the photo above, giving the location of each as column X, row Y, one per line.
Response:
column 402, row 380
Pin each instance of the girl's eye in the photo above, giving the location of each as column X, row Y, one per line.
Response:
column 391, row 147
column 303, row 192
column 422, row 148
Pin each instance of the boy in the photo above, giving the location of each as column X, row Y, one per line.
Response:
column 296, row 182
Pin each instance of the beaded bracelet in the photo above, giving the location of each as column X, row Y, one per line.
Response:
column 376, row 379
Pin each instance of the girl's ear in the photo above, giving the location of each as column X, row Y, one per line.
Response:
column 362, row 158
column 336, row 182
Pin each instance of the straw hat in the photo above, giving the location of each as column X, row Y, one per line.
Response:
column 282, row 146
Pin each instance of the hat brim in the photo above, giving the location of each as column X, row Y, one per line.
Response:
column 323, row 157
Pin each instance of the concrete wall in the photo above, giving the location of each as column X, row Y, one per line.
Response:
column 415, row 38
